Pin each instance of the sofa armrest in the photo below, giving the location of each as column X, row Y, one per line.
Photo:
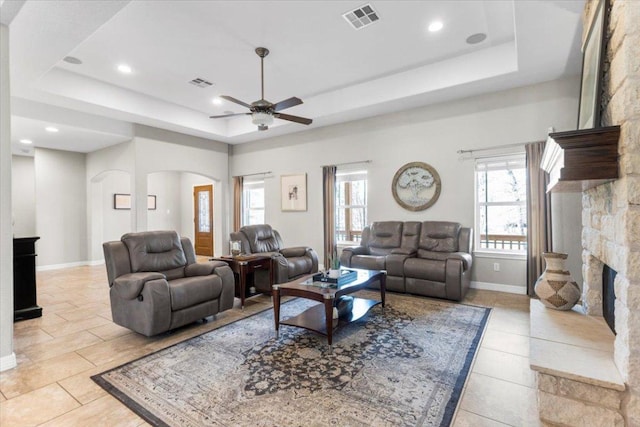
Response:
column 404, row 251
column 202, row 268
column 357, row 250
column 281, row 268
column 295, row 251
column 466, row 258
column 129, row 286
column 348, row 252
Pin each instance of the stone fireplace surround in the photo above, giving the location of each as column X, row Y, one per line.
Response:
column 607, row 392
column 585, row 373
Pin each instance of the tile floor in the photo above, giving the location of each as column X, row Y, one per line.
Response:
column 75, row 338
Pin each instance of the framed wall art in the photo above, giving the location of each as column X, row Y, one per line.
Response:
column 121, row 201
column 151, row 202
column 293, row 192
column 416, row 186
column 593, row 54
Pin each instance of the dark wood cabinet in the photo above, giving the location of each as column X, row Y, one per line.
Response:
column 25, row 305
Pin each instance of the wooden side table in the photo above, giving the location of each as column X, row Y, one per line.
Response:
column 242, row 265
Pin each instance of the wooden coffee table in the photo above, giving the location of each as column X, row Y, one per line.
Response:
column 242, row 265
column 319, row 318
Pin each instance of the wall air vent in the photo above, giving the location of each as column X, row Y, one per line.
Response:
column 201, row 82
column 361, row 17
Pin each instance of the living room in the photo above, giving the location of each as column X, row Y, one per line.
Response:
column 448, row 134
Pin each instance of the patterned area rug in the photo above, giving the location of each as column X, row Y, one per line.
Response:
column 401, row 366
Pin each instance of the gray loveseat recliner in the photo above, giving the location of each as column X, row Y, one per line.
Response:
column 289, row 263
column 430, row 258
column 156, row 285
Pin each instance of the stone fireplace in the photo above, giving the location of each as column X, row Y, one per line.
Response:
column 611, row 212
column 584, row 371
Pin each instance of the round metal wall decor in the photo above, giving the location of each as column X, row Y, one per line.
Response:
column 416, row 186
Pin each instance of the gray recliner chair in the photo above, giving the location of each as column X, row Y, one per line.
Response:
column 156, row 285
column 289, row 263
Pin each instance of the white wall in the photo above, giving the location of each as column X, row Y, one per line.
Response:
column 109, row 171
column 7, row 356
column 566, row 213
column 166, row 164
column 168, row 213
column 211, row 163
column 61, row 207
column 430, row 134
column 23, row 198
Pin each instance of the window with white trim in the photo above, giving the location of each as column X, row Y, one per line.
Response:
column 253, row 202
column 351, row 205
column 501, row 204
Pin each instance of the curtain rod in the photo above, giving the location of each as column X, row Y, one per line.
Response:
column 348, row 163
column 495, row 147
column 252, row 174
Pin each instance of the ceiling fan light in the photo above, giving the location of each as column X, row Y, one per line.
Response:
column 261, row 118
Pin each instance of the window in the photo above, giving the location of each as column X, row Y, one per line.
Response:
column 252, row 202
column 501, row 210
column 351, row 205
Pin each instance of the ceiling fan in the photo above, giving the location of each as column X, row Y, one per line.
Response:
column 262, row 111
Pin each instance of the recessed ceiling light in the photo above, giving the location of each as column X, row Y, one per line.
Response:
column 435, row 26
column 26, row 141
column 51, row 129
column 72, row 60
column 217, row 101
column 476, row 38
column 124, row 69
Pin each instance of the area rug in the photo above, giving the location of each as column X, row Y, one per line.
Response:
column 405, row 365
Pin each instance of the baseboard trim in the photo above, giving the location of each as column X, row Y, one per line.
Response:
column 68, row 265
column 511, row 289
column 8, row 362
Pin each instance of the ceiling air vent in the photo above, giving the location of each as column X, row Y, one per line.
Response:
column 201, row 82
column 361, row 17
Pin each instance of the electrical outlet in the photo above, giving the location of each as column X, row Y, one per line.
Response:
column 496, row 266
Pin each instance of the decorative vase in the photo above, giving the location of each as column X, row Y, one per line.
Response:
column 235, row 247
column 555, row 287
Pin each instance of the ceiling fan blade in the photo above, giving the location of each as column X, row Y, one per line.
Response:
column 229, row 115
column 237, row 101
column 287, row 103
column 297, row 119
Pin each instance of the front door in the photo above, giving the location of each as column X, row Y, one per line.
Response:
column 203, row 211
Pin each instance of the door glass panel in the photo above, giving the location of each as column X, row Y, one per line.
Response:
column 204, row 226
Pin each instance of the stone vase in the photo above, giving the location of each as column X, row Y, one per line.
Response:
column 555, row 287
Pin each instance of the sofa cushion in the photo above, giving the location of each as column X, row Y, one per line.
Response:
column 439, row 236
column 369, row 262
column 154, row 250
column 440, row 256
column 384, row 236
column 190, row 291
column 428, row 269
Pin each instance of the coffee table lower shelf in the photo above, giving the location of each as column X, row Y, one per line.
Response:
column 314, row 319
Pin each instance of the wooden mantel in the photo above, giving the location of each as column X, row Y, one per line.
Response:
column 581, row 159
